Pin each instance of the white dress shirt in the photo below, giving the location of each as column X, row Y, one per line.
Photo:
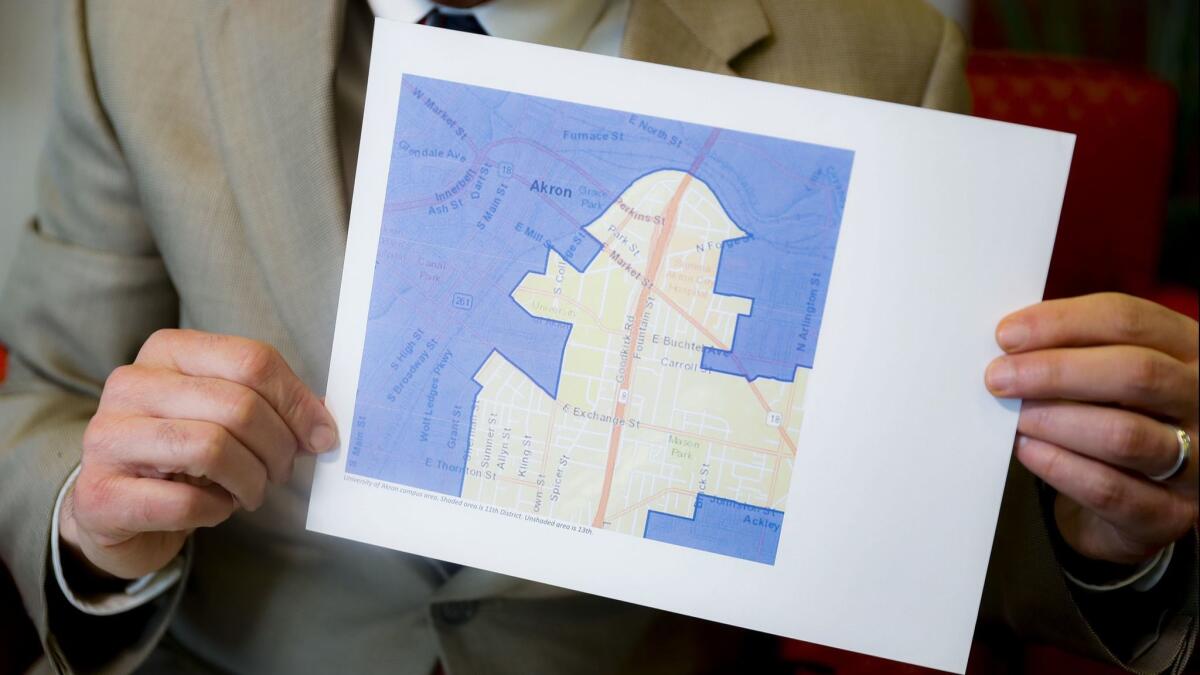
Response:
column 595, row 26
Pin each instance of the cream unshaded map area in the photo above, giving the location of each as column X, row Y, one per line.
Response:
column 638, row 426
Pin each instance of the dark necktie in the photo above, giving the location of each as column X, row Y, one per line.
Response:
column 466, row 23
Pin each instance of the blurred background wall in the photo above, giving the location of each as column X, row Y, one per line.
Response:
column 26, row 62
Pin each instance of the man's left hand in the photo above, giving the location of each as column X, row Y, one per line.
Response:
column 1108, row 380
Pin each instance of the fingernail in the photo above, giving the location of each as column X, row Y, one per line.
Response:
column 1012, row 335
column 323, row 438
column 1000, row 376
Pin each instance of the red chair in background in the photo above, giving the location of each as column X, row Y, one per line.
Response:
column 1110, row 233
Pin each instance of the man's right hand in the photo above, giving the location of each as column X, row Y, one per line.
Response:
column 191, row 431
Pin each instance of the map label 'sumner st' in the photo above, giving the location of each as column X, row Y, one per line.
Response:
column 595, row 317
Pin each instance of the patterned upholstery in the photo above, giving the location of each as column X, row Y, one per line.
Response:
column 1110, row 234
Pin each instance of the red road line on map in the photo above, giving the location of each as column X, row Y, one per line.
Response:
column 620, row 228
column 783, row 433
column 703, row 154
column 742, row 446
column 549, row 438
column 525, row 141
column 769, row 159
column 394, row 208
column 658, row 250
column 483, row 158
column 654, row 496
column 785, row 425
column 763, row 401
column 766, row 407
column 787, row 413
column 774, row 480
column 607, row 245
column 551, row 203
column 692, row 320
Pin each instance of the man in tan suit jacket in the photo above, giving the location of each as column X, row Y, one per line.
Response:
column 196, row 176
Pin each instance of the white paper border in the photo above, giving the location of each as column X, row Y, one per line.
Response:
column 903, row 454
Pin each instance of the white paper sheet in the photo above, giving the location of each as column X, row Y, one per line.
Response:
column 849, row 486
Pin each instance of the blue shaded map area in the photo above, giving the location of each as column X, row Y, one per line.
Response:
column 721, row 526
column 483, row 183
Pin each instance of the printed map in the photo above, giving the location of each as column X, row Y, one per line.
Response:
column 596, row 317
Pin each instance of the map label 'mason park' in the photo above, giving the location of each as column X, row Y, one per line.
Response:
column 613, row 331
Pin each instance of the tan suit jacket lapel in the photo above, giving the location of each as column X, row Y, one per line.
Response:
column 272, row 93
column 696, row 34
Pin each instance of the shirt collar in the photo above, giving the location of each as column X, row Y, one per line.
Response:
column 557, row 23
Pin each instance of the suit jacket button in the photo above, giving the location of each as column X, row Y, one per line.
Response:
column 456, row 613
